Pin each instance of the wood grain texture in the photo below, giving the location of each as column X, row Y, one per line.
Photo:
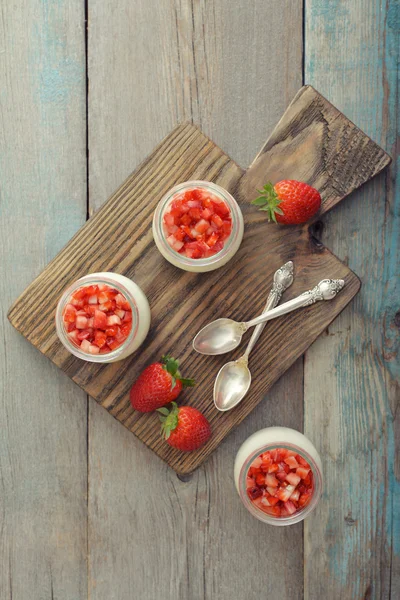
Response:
column 352, row 412
column 174, row 61
column 43, row 461
column 129, row 248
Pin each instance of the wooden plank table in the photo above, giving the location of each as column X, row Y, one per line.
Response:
column 86, row 511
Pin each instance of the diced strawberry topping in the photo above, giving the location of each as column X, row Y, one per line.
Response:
column 100, row 320
column 293, row 478
column 279, row 483
column 271, row 480
column 302, row 472
column 291, row 462
column 81, row 322
column 100, row 338
column 290, row 507
column 84, row 334
column 197, row 224
column 254, row 492
column 97, row 319
column 70, row 313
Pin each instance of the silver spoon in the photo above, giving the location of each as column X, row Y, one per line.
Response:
column 224, row 335
column 234, row 378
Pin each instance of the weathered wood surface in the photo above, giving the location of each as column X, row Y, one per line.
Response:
column 352, row 395
column 128, row 248
column 186, row 69
column 175, row 67
column 43, row 453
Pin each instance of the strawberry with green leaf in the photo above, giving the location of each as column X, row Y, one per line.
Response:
column 159, row 384
column 184, row 427
column 288, row 202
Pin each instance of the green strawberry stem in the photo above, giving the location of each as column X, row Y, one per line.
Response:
column 171, row 365
column 268, row 201
column 169, row 419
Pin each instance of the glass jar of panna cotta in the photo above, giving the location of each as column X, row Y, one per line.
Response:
column 103, row 317
column 278, row 475
column 198, row 226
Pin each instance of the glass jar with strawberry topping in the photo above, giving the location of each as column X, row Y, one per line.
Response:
column 278, row 475
column 102, row 317
column 198, row 226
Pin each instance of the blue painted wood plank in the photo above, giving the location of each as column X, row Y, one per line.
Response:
column 43, row 462
column 352, row 392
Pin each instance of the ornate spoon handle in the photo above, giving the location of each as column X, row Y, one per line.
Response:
column 325, row 290
column 283, row 278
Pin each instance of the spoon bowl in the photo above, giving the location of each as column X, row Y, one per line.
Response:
column 232, row 384
column 218, row 337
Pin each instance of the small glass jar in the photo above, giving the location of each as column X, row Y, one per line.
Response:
column 266, row 440
column 140, row 316
column 231, row 244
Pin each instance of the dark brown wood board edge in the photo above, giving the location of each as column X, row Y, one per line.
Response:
column 180, row 128
column 315, row 96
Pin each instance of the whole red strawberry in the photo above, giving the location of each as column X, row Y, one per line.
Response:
column 289, row 202
column 159, row 384
column 184, row 427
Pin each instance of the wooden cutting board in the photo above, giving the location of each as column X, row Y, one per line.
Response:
column 313, row 142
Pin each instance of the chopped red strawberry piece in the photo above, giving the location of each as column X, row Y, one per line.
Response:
column 197, row 215
column 125, row 329
column 216, row 219
column 105, row 350
column 295, row 496
column 85, row 345
column 100, row 320
column 77, row 303
column 283, row 494
column 281, row 484
column 293, row 478
column 254, row 493
column 302, row 472
column 113, row 344
column 291, row 462
column 81, row 322
column 304, row 499
column 84, row 334
column 112, row 331
column 290, row 507
column 73, row 335
column 260, row 479
column 79, row 293
column 271, row 480
column 212, row 240
column 100, row 338
column 249, row 483
column 301, row 461
column 70, row 313
column 273, row 500
column 113, row 320
column 274, row 468
column 93, row 316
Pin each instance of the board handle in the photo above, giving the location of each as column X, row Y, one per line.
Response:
column 314, row 142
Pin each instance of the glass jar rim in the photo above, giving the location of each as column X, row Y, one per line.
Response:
column 93, row 279
column 236, row 215
column 298, row 515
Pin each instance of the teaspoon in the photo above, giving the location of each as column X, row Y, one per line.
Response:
column 234, row 378
column 224, row 335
